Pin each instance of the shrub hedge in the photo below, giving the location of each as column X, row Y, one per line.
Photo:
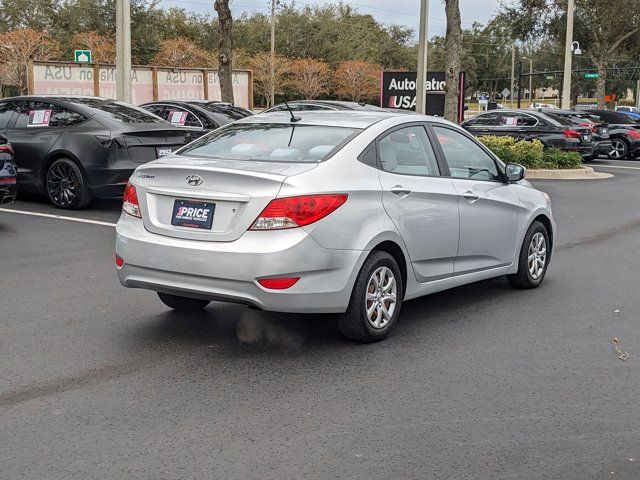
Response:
column 531, row 153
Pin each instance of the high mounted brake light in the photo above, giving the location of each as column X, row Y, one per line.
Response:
column 292, row 212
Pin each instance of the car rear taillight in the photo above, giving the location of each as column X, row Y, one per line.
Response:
column 6, row 148
column 292, row 212
column 108, row 142
column 119, row 261
column 572, row 134
column 590, row 125
column 8, row 180
column 130, row 203
column 634, row 133
column 281, row 283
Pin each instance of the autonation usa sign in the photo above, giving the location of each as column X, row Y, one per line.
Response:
column 147, row 83
column 399, row 91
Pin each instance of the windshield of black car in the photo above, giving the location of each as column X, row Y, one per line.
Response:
column 118, row 111
column 266, row 142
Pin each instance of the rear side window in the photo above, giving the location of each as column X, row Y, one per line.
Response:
column 118, row 111
column 483, row 120
column 272, row 142
column 6, row 112
column 408, row 151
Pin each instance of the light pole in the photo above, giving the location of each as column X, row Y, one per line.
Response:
column 530, row 77
column 123, row 50
column 421, row 87
column 272, row 58
column 566, row 80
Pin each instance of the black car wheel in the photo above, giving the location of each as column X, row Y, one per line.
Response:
column 67, row 186
column 619, row 149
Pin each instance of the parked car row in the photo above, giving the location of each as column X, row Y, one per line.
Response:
column 75, row 148
column 589, row 132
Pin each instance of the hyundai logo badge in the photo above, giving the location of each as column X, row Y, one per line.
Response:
column 194, row 180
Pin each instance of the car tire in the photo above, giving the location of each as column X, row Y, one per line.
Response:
column 183, row 304
column 375, row 301
column 619, row 149
column 535, row 244
column 66, row 185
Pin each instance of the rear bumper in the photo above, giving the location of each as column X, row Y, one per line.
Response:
column 227, row 271
column 603, row 147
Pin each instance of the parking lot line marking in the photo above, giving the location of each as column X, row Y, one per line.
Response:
column 58, row 217
column 616, row 166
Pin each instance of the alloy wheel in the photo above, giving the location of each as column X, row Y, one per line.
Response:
column 381, row 297
column 537, row 255
column 618, row 149
column 63, row 184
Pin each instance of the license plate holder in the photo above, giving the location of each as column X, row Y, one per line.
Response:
column 189, row 214
column 162, row 151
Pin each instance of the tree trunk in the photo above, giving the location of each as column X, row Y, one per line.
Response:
column 225, row 68
column 601, row 82
column 452, row 48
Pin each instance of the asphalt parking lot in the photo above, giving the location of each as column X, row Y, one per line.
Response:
column 479, row 382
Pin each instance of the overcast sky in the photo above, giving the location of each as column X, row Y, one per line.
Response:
column 401, row 12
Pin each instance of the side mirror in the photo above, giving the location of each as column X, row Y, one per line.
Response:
column 514, row 172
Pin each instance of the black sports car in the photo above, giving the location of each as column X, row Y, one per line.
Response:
column 75, row 148
column 8, row 173
column 624, row 131
column 599, row 129
column 551, row 130
column 302, row 105
column 199, row 116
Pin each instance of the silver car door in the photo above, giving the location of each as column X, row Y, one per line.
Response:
column 489, row 208
column 422, row 204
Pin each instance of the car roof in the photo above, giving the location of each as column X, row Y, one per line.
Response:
column 343, row 118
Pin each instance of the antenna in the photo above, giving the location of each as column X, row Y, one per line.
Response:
column 293, row 117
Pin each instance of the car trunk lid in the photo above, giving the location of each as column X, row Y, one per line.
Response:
column 236, row 191
column 145, row 145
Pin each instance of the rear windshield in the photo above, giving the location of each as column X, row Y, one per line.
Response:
column 562, row 120
column 118, row 111
column 272, row 142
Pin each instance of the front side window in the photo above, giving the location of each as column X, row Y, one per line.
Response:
column 408, row 151
column 465, row 158
column 32, row 114
column 267, row 142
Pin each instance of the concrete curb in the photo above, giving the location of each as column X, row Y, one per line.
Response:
column 584, row 173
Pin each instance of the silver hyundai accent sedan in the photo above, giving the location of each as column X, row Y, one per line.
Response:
column 335, row 212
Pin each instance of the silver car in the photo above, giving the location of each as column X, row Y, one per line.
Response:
column 335, row 212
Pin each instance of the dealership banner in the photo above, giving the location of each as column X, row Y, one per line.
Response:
column 398, row 90
column 147, row 83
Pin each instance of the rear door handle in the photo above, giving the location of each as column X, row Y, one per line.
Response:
column 400, row 191
column 470, row 197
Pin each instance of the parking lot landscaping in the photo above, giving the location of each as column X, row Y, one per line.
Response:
column 478, row 382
